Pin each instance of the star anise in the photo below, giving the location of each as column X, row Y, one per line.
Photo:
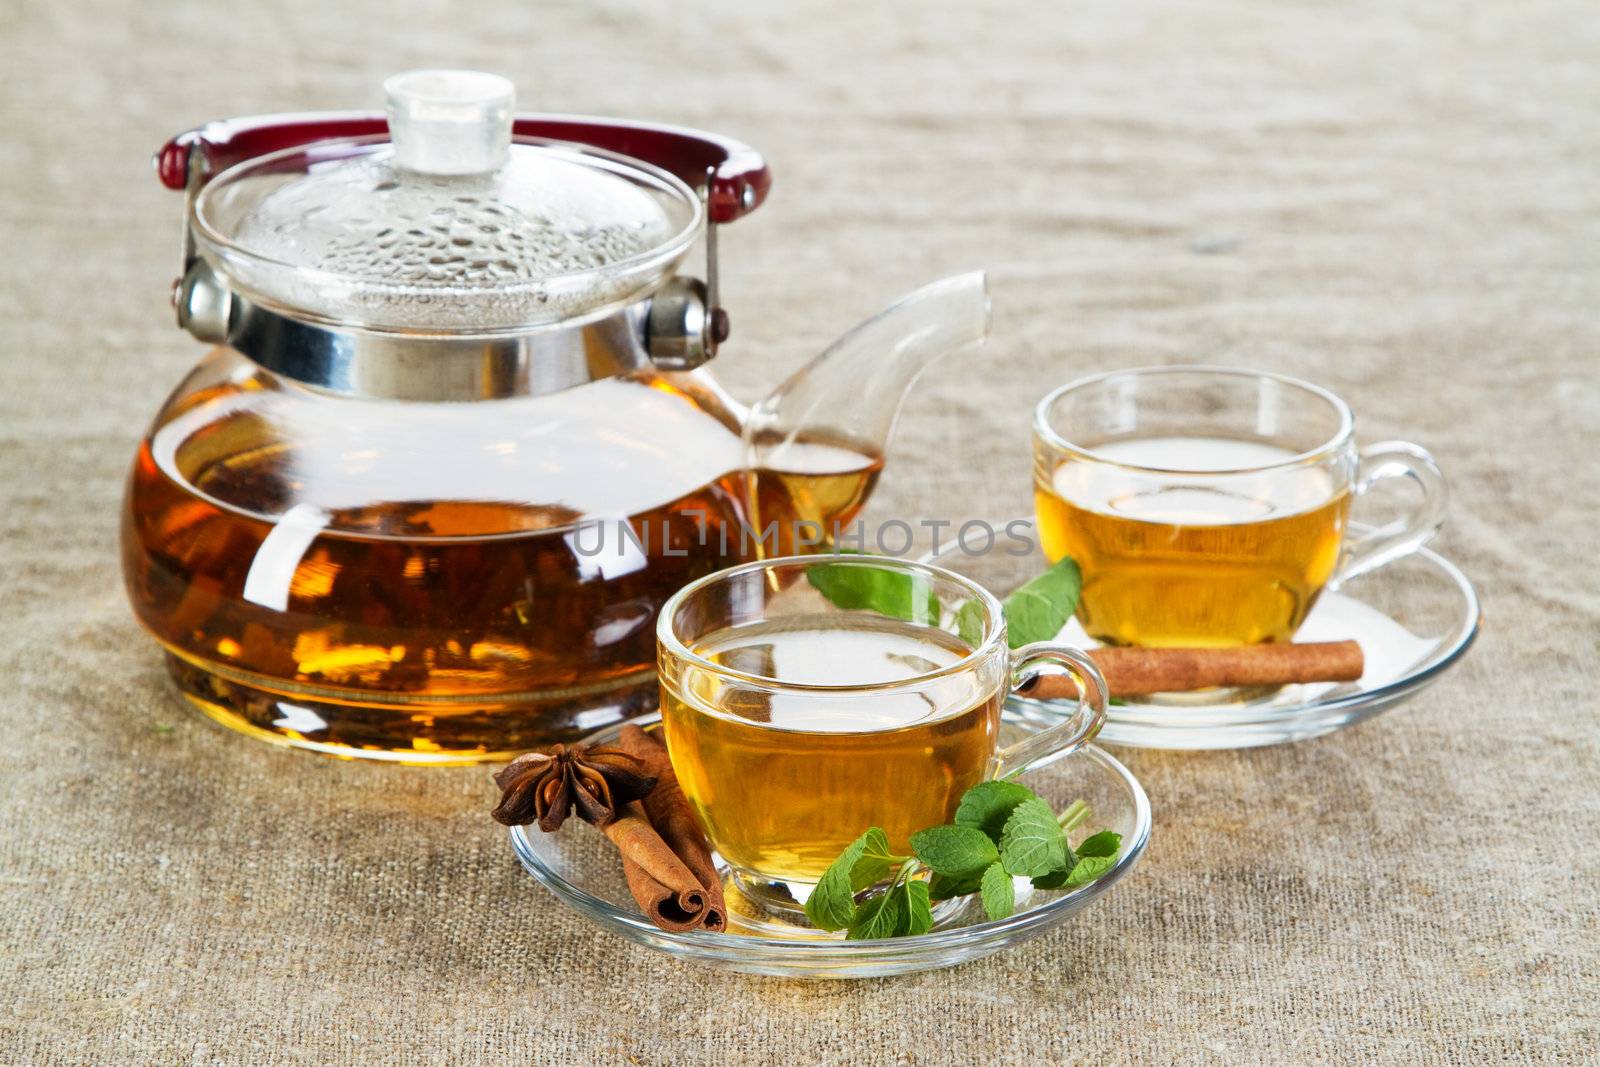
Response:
column 545, row 787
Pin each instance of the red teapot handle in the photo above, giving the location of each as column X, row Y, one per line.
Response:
column 739, row 183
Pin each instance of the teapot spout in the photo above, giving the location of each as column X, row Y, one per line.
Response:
column 851, row 394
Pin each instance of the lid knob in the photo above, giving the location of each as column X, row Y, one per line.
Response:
column 450, row 121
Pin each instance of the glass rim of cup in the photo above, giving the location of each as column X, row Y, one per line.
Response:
column 1340, row 439
column 994, row 623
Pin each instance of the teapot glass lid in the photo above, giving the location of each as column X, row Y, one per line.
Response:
column 448, row 225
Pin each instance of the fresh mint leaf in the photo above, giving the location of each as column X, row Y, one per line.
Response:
column 832, row 903
column 919, row 911
column 1104, row 843
column 875, row 863
column 999, row 895
column 1089, row 868
column 954, row 851
column 865, row 861
column 988, row 805
column 864, row 587
column 1032, row 843
column 969, row 623
column 881, row 916
column 1053, row 880
column 1039, row 609
column 1058, row 877
column 942, row 888
column 962, row 860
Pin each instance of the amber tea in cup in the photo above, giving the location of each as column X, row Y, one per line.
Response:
column 817, row 766
column 795, row 723
column 1209, row 507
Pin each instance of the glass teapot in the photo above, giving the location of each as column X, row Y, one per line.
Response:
column 455, row 444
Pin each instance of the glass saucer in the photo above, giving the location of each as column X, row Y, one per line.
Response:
column 580, row 866
column 1413, row 618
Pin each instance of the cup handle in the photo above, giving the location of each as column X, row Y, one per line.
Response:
column 1072, row 732
column 1403, row 536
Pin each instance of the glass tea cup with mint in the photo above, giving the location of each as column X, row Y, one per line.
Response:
column 1209, row 507
column 805, row 699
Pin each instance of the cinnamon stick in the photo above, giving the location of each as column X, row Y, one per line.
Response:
column 676, row 822
column 670, row 894
column 1140, row 671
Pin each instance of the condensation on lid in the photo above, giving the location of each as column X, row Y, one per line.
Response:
column 450, row 226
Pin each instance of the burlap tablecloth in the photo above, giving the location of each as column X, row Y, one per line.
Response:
column 1399, row 200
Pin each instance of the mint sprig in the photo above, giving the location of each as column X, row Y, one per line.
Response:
column 1031, row 843
column 1002, row 831
column 866, row 861
column 1035, row 611
column 1038, row 609
column 998, row 892
column 988, row 805
column 863, row 587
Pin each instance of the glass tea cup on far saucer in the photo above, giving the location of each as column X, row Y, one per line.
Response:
column 1208, row 507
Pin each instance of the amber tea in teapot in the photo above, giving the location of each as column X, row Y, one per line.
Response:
column 457, row 443
column 276, row 564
